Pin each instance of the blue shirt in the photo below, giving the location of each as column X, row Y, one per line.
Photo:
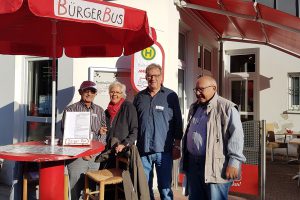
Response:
column 197, row 132
column 160, row 120
column 196, row 135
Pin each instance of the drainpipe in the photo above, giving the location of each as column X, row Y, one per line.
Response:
column 220, row 86
column 263, row 160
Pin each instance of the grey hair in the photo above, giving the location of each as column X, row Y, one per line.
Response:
column 120, row 85
column 153, row 66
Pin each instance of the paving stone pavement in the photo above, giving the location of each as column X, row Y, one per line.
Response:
column 279, row 183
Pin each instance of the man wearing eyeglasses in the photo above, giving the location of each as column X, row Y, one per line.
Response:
column 160, row 130
column 77, row 167
column 213, row 143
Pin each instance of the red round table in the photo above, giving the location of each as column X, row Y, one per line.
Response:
column 51, row 172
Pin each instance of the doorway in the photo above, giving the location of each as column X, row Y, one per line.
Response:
column 242, row 70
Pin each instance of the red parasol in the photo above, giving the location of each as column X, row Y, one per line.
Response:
column 80, row 28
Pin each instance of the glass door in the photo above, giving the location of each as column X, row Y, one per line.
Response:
column 39, row 99
column 242, row 95
column 242, row 79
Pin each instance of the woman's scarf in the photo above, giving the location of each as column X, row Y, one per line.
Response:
column 113, row 109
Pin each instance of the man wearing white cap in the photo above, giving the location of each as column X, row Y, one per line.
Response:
column 77, row 167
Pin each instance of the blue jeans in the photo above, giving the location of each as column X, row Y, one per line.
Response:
column 197, row 188
column 163, row 164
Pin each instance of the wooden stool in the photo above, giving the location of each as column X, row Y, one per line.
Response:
column 104, row 177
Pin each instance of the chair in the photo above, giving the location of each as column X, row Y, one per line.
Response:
column 30, row 174
column 272, row 143
column 104, row 177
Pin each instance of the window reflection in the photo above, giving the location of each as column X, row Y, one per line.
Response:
column 242, row 94
column 37, row 131
column 207, row 59
column 181, row 47
column 39, row 99
column 181, row 89
column 245, row 118
column 39, row 88
column 242, row 63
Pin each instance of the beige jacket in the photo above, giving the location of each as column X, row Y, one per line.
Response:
column 225, row 140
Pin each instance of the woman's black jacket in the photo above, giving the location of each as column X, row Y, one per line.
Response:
column 124, row 127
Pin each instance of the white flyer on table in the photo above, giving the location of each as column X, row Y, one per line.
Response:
column 77, row 128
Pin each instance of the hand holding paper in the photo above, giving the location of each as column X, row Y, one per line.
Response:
column 103, row 130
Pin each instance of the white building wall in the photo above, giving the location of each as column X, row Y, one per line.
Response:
column 163, row 15
column 66, row 90
column 197, row 32
column 7, row 109
column 274, row 66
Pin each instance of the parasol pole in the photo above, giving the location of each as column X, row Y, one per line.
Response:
column 53, row 120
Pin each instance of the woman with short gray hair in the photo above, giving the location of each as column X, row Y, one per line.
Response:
column 121, row 120
column 120, row 85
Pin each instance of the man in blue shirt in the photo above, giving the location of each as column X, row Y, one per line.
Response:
column 160, row 130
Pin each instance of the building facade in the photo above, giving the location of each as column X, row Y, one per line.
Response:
column 264, row 82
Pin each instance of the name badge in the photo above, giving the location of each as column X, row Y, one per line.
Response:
column 159, row 108
column 94, row 115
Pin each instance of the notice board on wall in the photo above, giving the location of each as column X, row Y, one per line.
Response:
column 103, row 77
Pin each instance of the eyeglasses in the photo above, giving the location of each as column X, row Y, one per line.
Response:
column 201, row 89
column 156, row 76
column 115, row 92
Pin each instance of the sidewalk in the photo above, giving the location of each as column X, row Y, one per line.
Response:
column 178, row 196
column 279, row 183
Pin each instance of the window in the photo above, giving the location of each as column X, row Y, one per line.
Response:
column 242, row 79
column 200, row 56
column 181, row 88
column 288, row 6
column 242, row 95
column 182, row 66
column 181, row 47
column 39, row 99
column 39, row 88
column 242, row 63
column 204, row 57
column 207, row 60
column 294, row 87
column 269, row 3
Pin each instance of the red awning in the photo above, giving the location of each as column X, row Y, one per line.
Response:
column 248, row 21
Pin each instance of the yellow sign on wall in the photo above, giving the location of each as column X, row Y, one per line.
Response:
column 148, row 53
column 140, row 60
